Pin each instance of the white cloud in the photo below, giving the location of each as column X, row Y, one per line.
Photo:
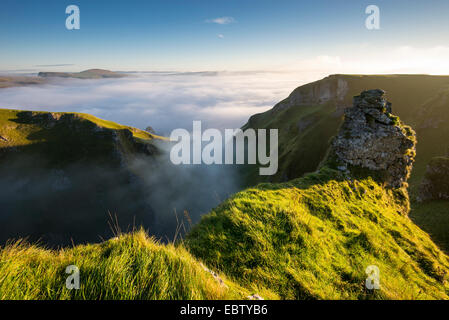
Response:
column 220, row 36
column 371, row 60
column 221, row 20
column 163, row 101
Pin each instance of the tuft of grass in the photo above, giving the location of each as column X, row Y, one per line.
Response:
column 131, row 266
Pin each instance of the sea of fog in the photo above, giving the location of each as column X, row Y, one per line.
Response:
column 162, row 100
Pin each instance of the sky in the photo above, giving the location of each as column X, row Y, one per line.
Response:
column 195, row 35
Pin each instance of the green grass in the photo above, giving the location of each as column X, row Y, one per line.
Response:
column 313, row 238
column 19, row 132
column 71, row 138
column 310, row 238
column 131, row 266
column 421, row 101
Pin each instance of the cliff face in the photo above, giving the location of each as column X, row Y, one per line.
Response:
column 313, row 114
column 332, row 89
column 64, row 173
column 352, row 212
column 321, row 232
column 372, row 138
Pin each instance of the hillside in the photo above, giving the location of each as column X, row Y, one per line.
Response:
column 63, row 174
column 312, row 114
column 130, row 266
column 314, row 237
column 311, row 238
column 18, row 81
column 87, row 74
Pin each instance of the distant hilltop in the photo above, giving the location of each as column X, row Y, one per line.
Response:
column 87, row 74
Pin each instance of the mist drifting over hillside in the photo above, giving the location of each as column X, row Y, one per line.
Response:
column 164, row 195
column 162, row 100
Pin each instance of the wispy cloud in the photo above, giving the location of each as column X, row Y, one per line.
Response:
column 220, row 36
column 222, row 20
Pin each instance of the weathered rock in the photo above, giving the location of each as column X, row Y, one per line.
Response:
column 435, row 185
column 372, row 138
column 331, row 89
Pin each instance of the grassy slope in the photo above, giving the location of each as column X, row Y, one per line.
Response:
column 311, row 238
column 129, row 267
column 417, row 99
column 315, row 236
column 81, row 138
column 95, row 157
column 19, row 134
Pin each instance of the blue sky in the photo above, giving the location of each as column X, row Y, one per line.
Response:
column 180, row 35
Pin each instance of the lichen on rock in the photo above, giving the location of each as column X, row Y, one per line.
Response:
column 372, row 139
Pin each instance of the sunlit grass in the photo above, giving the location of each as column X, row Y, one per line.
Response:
column 131, row 266
column 313, row 238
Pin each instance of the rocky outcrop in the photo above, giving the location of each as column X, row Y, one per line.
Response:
column 435, row 185
column 333, row 88
column 372, row 139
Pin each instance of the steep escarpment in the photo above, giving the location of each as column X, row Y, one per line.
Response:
column 64, row 174
column 313, row 114
column 315, row 237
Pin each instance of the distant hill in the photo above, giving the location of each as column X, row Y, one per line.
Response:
column 87, row 74
column 18, row 81
column 63, row 173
